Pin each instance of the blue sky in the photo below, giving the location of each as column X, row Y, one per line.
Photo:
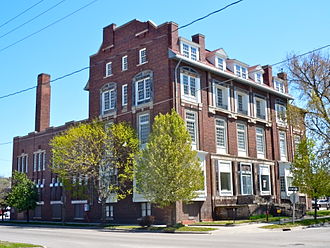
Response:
column 253, row 31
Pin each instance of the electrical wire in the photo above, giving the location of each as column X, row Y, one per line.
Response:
column 48, row 26
column 32, row 19
column 11, row 19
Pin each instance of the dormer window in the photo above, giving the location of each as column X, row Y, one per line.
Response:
column 279, row 86
column 258, row 78
column 240, row 71
column 189, row 51
column 220, row 63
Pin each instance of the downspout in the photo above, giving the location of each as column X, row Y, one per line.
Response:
column 175, row 87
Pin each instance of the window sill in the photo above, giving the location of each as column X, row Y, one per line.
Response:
column 142, row 63
column 143, row 105
column 108, row 76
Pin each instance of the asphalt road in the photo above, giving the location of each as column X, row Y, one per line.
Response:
column 238, row 236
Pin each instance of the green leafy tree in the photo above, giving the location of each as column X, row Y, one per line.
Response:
column 168, row 169
column 4, row 190
column 23, row 195
column 102, row 153
column 310, row 173
column 310, row 76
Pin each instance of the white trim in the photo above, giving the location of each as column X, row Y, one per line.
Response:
column 190, row 46
column 189, row 96
column 145, row 56
column 246, row 173
column 227, row 168
column 194, row 143
column 124, row 65
column 221, row 149
column 123, row 95
column 55, row 202
column 217, row 71
column 264, row 170
column 240, row 151
column 78, row 201
column 107, row 67
column 264, row 110
column 39, row 203
column 283, row 157
column 262, row 134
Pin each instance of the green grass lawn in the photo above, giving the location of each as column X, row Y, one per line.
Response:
column 4, row 244
column 253, row 219
column 298, row 223
column 162, row 229
column 319, row 213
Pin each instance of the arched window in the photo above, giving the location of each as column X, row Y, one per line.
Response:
column 108, row 98
column 143, row 87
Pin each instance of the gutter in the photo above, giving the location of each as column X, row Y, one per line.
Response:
column 173, row 55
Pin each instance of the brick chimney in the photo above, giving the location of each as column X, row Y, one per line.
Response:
column 43, row 103
column 268, row 75
column 200, row 39
column 109, row 35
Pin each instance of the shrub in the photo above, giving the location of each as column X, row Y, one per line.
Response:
column 146, row 221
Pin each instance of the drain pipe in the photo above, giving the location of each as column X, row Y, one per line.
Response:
column 175, row 88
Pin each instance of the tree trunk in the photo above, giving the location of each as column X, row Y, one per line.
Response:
column 171, row 218
column 315, row 208
column 27, row 215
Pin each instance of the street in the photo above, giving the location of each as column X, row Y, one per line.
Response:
column 236, row 236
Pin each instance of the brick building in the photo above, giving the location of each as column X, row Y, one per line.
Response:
column 235, row 114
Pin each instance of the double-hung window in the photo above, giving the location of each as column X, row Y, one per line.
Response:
column 241, row 139
column 220, row 63
column 283, row 146
column 124, row 63
column 144, row 128
column 143, row 90
column 109, row 211
column 143, row 56
column 108, row 69
column 224, row 178
column 296, row 142
column 221, row 135
column 279, row 86
column 246, row 179
column 280, row 109
column 124, row 95
column 264, row 180
column 258, row 77
column 190, row 87
column 145, row 209
column 191, row 123
column 260, row 108
column 221, row 96
column 241, row 71
column 242, row 103
column 190, row 51
column 108, row 100
column 260, row 140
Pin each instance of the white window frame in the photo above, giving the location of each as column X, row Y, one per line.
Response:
column 108, row 69
column 263, row 108
column 194, row 140
column 225, row 96
column 225, row 168
column 241, row 71
column 264, row 170
column 145, row 90
column 124, row 63
column 245, row 103
column 124, row 95
column 140, row 122
column 109, row 211
column 241, row 151
column 296, row 142
column 280, row 109
column 222, row 149
column 283, row 150
column 189, row 53
column 260, row 132
column 258, row 77
column 22, row 163
column 222, row 65
column 143, row 56
column 145, row 209
column 112, row 102
column 189, row 96
column 245, row 173
column 279, row 86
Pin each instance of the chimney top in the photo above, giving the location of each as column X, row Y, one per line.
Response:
column 42, row 117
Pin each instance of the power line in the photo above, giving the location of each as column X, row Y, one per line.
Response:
column 49, row 25
column 212, row 13
column 11, row 19
column 30, row 20
column 6, row 143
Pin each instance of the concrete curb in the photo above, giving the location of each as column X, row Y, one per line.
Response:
column 155, row 231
